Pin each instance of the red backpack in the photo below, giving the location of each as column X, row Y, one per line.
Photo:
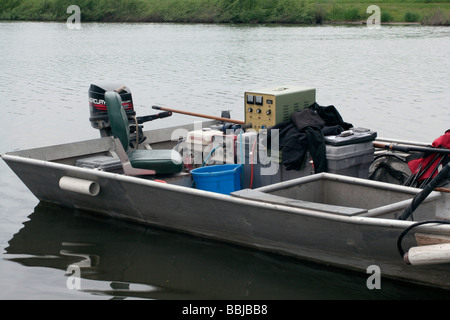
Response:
column 426, row 168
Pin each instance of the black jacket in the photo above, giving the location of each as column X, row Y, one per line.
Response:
column 305, row 132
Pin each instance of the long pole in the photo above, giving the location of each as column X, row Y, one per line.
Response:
column 199, row 115
column 410, row 148
column 442, row 189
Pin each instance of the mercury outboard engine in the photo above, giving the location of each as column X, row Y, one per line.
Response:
column 97, row 105
column 99, row 114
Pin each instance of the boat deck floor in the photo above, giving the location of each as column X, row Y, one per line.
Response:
column 274, row 199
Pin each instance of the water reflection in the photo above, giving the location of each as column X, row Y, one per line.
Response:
column 121, row 260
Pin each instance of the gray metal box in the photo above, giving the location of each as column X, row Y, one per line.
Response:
column 255, row 171
column 350, row 160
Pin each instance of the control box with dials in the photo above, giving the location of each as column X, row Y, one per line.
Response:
column 267, row 107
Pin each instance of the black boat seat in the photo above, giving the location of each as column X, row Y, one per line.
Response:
column 140, row 161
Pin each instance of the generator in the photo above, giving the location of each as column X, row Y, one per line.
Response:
column 266, row 107
column 263, row 109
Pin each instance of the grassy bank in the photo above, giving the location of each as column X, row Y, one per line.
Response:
column 429, row 12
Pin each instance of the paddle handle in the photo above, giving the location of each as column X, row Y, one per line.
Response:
column 199, row 115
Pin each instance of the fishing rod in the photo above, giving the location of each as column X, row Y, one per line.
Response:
column 405, row 148
column 199, row 115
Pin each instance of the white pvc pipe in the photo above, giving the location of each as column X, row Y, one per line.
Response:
column 430, row 254
column 90, row 188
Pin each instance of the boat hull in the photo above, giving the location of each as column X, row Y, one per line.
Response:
column 352, row 242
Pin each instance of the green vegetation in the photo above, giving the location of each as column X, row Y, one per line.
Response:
column 430, row 12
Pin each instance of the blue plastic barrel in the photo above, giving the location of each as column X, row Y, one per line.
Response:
column 224, row 178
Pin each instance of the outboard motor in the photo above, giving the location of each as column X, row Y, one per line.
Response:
column 97, row 105
column 99, row 114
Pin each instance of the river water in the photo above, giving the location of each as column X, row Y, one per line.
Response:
column 393, row 80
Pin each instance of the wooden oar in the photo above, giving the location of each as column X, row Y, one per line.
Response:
column 199, row 115
column 405, row 148
column 442, row 189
